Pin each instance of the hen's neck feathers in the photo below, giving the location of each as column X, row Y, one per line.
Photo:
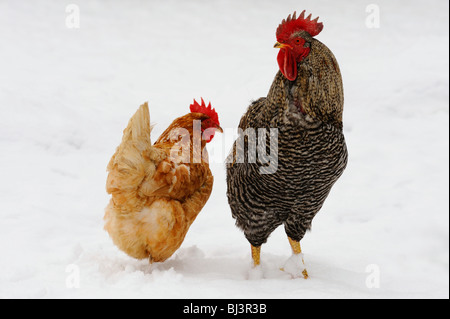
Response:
column 181, row 133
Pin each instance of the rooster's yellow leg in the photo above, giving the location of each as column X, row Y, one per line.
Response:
column 256, row 252
column 296, row 249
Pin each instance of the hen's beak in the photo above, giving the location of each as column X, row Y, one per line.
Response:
column 218, row 128
column 279, row 45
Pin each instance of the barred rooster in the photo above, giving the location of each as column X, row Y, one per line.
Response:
column 305, row 105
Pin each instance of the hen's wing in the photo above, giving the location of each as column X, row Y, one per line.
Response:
column 177, row 181
column 134, row 161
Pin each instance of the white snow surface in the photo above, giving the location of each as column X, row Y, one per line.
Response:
column 67, row 94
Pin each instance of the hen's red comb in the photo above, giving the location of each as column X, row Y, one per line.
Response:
column 289, row 25
column 202, row 108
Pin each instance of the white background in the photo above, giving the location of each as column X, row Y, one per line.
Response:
column 67, row 94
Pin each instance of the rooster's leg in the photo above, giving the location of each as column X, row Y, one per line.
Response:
column 292, row 265
column 256, row 252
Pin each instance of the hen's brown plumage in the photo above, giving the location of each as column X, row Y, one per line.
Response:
column 155, row 196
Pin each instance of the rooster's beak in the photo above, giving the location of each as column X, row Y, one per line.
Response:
column 279, row 45
column 218, row 128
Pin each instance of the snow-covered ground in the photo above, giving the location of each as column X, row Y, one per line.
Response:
column 66, row 94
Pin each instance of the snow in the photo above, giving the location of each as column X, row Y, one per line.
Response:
column 67, row 94
column 295, row 266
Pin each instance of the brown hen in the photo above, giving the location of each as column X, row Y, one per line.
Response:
column 158, row 190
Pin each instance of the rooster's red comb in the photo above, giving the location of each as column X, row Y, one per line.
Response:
column 202, row 108
column 292, row 24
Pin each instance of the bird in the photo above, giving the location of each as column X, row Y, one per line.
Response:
column 304, row 106
column 158, row 190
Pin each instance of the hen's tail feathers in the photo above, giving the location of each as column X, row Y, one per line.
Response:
column 133, row 160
